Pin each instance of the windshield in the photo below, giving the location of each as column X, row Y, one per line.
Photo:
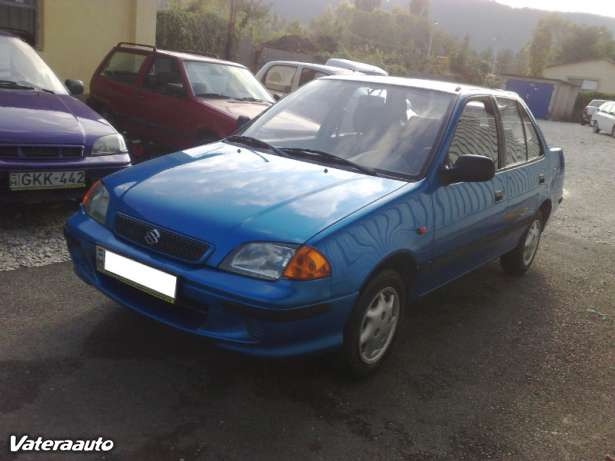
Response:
column 387, row 128
column 20, row 64
column 220, row 80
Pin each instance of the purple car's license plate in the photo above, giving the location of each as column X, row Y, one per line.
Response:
column 33, row 180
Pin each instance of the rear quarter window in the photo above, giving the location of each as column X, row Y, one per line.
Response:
column 123, row 67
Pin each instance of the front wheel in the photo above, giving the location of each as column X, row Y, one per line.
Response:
column 596, row 127
column 519, row 260
column 371, row 329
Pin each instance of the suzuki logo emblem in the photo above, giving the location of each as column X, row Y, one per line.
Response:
column 152, row 237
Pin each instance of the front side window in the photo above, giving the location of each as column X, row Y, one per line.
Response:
column 307, row 75
column 514, row 135
column 476, row 133
column 280, row 78
column 388, row 128
column 164, row 77
column 124, row 67
column 210, row 79
column 21, row 66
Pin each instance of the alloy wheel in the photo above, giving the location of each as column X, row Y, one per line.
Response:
column 379, row 325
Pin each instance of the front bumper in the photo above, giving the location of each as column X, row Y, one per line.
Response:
column 274, row 319
column 95, row 168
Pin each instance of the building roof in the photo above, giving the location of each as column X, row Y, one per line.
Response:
column 607, row 60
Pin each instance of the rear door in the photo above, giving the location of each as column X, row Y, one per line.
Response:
column 114, row 88
column 524, row 168
column 469, row 216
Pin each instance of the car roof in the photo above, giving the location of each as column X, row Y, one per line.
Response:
column 320, row 67
column 184, row 56
column 435, row 85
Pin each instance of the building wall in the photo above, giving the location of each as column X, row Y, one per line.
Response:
column 601, row 71
column 77, row 34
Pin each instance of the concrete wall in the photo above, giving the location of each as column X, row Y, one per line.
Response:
column 602, row 71
column 77, row 34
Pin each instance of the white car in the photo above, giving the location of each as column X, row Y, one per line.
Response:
column 604, row 118
column 283, row 77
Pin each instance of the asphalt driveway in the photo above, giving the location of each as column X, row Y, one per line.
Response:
column 490, row 367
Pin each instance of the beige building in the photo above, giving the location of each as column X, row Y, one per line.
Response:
column 73, row 36
column 594, row 75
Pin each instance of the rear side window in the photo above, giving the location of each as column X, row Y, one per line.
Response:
column 534, row 147
column 280, row 78
column 514, row 135
column 476, row 133
column 124, row 67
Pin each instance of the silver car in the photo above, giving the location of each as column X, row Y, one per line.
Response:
column 604, row 118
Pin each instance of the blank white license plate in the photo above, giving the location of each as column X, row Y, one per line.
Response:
column 38, row 180
column 152, row 281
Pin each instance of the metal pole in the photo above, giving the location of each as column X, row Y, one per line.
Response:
column 231, row 29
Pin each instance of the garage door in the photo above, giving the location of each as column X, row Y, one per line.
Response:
column 537, row 95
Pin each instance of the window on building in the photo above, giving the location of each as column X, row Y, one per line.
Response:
column 280, row 78
column 514, row 135
column 124, row 67
column 20, row 18
column 476, row 133
column 165, row 77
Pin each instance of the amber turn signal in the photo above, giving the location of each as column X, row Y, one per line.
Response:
column 88, row 195
column 307, row 264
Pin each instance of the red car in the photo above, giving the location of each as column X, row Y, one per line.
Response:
column 175, row 100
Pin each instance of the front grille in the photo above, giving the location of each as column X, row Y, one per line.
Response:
column 160, row 240
column 40, row 152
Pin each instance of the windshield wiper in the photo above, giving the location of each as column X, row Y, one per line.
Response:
column 213, row 96
column 332, row 158
column 253, row 142
column 10, row 84
column 250, row 99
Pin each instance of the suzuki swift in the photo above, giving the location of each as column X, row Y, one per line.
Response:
column 315, row 226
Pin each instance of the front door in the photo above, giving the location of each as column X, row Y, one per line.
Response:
column 468, row 216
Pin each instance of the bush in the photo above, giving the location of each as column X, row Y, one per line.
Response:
column 182, row 30
column 585, row 98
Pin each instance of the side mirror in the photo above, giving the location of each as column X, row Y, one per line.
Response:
column 75, row 87
column 470, row 168
column 242, row 120
column 276, row 97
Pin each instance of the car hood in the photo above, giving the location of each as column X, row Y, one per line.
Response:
column 236, row 109
column 225, row 195
column 36, row 117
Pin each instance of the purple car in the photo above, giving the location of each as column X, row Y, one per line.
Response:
column 52, row 146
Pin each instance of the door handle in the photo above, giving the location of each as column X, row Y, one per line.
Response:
column 541, row 179
column 499, row 196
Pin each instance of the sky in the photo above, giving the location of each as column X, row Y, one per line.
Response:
column 601, row 7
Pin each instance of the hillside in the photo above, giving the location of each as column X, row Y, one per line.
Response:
column 506, row 28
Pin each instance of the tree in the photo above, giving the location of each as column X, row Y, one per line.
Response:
column 420, row 8
column 367, row 5
column 505, row 62
column 540, row 48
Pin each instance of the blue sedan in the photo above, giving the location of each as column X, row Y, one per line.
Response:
column 315, row 226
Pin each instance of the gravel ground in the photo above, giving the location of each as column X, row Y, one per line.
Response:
column 488, row 368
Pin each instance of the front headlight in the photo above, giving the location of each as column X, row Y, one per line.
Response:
column 96, row 202
column 270, row 261
column 109, row 145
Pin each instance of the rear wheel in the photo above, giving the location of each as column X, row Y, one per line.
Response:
column 372, row 327
column 518, row 261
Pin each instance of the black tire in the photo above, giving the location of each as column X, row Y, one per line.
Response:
column 596, row 127
column 386, row 282
column 517, row 262
column 613, row 132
